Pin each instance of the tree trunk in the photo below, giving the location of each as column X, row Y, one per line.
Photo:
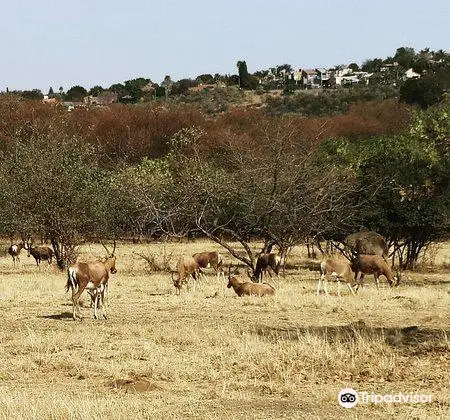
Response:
column 59, row 254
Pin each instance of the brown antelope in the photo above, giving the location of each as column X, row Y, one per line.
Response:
column 248, row 288
column 376, row 265
column 39, row 253
column 14, row 251
column 210, row 260
column 266, row 263
column 187, row 267
column 92, row 276
column 340, row 270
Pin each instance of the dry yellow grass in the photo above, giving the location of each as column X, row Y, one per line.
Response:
column 214, row 355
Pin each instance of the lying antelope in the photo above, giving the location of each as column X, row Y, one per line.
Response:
column 210, row 260
column 187, row 267
column 376, row 265
column 249, row 288
column 266, row 263
column 14, row 251
column 340, row 270
column 39, row 253
column 92, row 276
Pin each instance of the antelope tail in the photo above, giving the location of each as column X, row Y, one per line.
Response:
column 72, row 282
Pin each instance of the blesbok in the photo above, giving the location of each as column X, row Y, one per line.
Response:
column 39, row 253
column 248, row 288
column 187, row 267
column 210, row 260
column 14, row 251
column 93, row 277
column 266, row 263
column 340, row 270
column 376, row 265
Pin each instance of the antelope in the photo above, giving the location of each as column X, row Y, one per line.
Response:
column 249, row 288
column 376, row 265
column 341, row 270
column 92, row 276
column 14, row 251
column 39, row 253
column 210, row 259
column 187, row 267
column 266, row 263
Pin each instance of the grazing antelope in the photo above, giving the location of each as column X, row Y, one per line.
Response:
column 242, row 287
column 376, row 265
column 265, row 264
column 92, row 276
column 341, row 270
column 187, row 267
column 210, row 260
column 14, row 251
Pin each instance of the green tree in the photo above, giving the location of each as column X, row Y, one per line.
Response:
column 405, row 57
column 246, row 81
column 52, row 187
column 96, row 90
column 76, row 93
column 34, row 94
column 403, row 183
column 134, row 88
column 372, row 65
column 206, row 79
column 424, row 92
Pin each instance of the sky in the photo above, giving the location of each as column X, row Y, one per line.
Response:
column 65, row 43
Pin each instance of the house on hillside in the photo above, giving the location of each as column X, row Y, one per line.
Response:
column 104, row 98
column 309, row 79
column 323, row 77
column 410, row 74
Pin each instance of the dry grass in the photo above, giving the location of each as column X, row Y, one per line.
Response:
column 214, row 355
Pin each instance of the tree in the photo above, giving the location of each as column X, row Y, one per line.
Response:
column 167, row 85
column 268, row 188
column 96, row 90
column 52, row 187
column 424, row 92
column 404, row 180
column 134, row 88
column 50, row 92
column 405, row 57
column 372, row 65
column 34, row 94
column 246, row 81
column 206, row 79
column 76, row 93
column 353, row 66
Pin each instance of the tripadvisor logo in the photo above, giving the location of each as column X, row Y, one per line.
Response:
column 348, row 397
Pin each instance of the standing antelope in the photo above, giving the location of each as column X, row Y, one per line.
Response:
column 208, row 260
column 341, row 270
column 265, row 264
column 92, row 276
column 14, row 251
column 39, row 253
column 376, row 265
column 187, row 267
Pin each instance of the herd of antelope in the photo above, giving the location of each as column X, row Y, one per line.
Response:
column 94, row 276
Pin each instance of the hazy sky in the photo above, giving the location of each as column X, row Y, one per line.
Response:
column 64, row 43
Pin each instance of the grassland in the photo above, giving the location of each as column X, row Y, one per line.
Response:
column 212, row 355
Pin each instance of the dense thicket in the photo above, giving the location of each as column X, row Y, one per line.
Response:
column 152, row 170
